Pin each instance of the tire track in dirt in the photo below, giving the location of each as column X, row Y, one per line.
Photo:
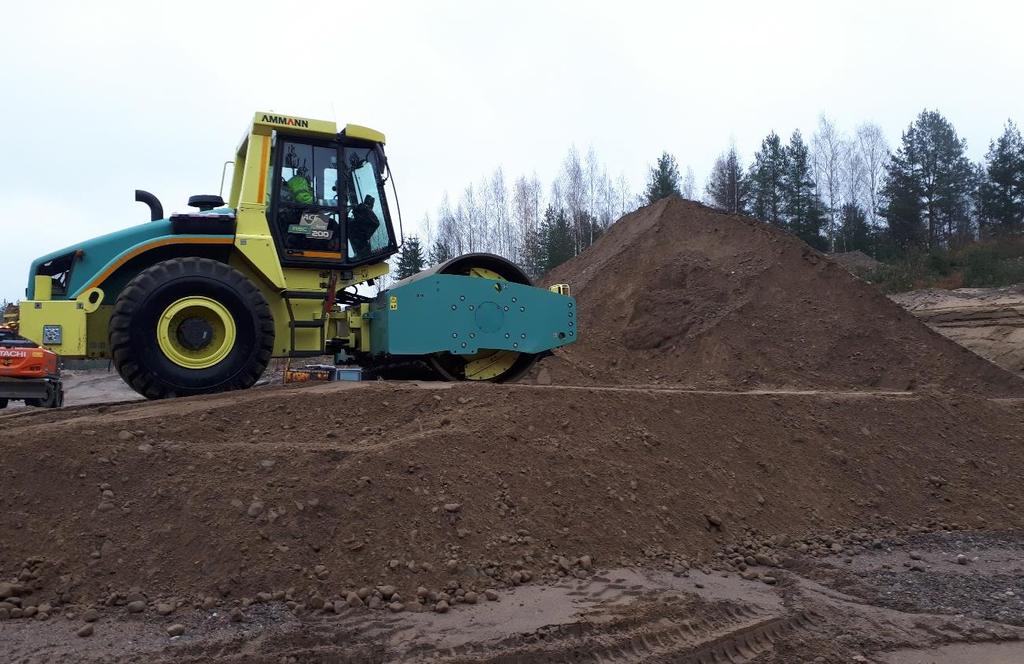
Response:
column 721, row 633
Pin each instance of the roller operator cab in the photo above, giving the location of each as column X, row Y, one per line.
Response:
column 199, row 302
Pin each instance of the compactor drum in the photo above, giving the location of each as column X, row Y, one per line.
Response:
column 200, row 302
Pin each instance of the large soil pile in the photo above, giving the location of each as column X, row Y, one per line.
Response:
column 325, row 489
column 678, row 293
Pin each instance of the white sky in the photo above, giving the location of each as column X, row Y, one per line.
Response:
column 105, row 97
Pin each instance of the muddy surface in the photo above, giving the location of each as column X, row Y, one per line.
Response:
column 806, row 609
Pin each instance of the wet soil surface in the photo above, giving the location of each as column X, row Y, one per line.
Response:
column 907, row 599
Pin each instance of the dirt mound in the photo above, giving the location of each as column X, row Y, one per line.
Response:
column 856, row 261
column 677, row 293
column 329, row 488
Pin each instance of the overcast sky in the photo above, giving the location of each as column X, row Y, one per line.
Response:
column 105, row 97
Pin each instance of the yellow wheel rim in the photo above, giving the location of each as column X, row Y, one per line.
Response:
column 489, row 364
column 212, row 332
column 484, row 273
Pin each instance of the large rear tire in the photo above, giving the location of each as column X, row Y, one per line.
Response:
column 190, row 326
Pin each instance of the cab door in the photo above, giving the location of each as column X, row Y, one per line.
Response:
column 306, row 213
column 368, row 228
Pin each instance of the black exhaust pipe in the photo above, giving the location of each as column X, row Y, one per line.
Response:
column 156, row 211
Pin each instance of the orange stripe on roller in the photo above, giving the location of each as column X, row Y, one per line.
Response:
column 153, row 245
column 264, row 142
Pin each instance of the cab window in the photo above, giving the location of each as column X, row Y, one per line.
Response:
column 366, row 229
column 308, row 218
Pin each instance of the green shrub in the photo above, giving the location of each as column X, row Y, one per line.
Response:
column 978, row 265
column 993, row 264
column 939, row 263
column 892, row 278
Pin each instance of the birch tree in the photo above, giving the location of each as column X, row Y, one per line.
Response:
column 624, row 196
column 498, row 217
column 526, row 195
column 827, row 148
column 874, row 154
column 573, row 188
column 688, row 190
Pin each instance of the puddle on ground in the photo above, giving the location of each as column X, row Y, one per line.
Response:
column 529, row 608
column 961, row 653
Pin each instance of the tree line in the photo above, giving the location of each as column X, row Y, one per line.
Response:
column 837, row 191
column 851, row 192
column 535, row 226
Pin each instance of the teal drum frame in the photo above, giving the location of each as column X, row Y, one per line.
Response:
column 464, row 315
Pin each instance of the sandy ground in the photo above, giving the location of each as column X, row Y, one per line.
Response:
column 93, row 386
column 84, row 387
column 988, row 321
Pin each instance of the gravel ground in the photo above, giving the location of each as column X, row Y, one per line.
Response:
column 980, row 575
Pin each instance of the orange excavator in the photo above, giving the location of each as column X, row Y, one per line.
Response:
column 28, row 372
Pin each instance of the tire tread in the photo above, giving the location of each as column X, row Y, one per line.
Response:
column 146, row 382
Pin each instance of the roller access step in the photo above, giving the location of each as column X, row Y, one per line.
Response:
column 318, row 324
column 304, row 295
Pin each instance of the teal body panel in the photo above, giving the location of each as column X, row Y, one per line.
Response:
column 463, row 315
column 101, row 252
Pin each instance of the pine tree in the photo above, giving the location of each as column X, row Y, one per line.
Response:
column 558, row 240
column 928, row 186
column 901, row 193
column 1001, row 195
column 440, row 253
column 802, row 208
column 410, row 258
column 534, row 257
column 854, row 231
column 767, row 181
column 728, row 188
column 663, row 179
